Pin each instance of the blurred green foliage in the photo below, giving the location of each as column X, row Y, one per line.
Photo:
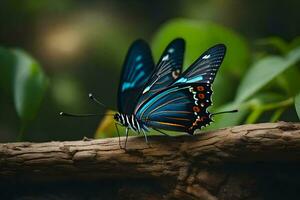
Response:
column 23, row 78
column 268, row 87
column 264, row 71
column 251, row 91
column 81, row 46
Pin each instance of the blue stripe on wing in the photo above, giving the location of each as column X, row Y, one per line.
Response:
column 137, row 69
column 133, row 84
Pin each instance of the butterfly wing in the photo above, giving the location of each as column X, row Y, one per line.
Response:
column 167, row 70
column 183, row 105
column 204, row 69
column 178, row 108
column 137, row 68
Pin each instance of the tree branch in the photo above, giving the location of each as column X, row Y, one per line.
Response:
column 187, row 166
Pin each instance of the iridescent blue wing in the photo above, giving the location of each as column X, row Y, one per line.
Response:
column 204, row 69
column 167, row 70
column 137, row 68
column 178, row 108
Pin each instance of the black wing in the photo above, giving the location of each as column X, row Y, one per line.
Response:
column 137, row 68
column 205, row 68
column 168, row 69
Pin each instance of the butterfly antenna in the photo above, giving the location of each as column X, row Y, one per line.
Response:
column 81, row 115
column 75, row 115
column 96, row 100
column 230, row 111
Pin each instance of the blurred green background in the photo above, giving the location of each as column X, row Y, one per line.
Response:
column 53, row 53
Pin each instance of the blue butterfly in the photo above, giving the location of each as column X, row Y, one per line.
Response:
column 161, row 97
column 165, row 98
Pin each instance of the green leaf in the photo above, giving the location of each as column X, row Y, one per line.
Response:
column 297, row 105
column 264, row 71
column 29, row 86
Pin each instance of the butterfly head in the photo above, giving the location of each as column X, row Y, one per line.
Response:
column 117, row 117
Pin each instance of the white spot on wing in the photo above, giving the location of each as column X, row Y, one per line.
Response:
column 171, row 50
column 206, row 56
column 146, row 89
column 166, row 57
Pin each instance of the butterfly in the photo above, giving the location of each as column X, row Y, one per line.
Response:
column 166, row 99
column 161, row 96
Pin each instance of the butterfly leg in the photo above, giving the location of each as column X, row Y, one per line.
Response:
column 160, row 132
column 116, row 125
column 145, row 135
column 127, row 131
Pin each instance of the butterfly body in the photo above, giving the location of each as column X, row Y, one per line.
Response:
column 132, row 122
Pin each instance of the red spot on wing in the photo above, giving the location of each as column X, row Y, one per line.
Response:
column 196, row 109
column 200, row 88
column 201, row 96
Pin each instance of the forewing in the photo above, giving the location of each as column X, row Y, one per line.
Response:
column 167, row 70
column 178, row 108
column 205, row 68
column 137, row 69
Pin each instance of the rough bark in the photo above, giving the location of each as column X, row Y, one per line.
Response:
column 258, row 161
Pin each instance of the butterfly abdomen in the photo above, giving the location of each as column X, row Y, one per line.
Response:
column 131, row 121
